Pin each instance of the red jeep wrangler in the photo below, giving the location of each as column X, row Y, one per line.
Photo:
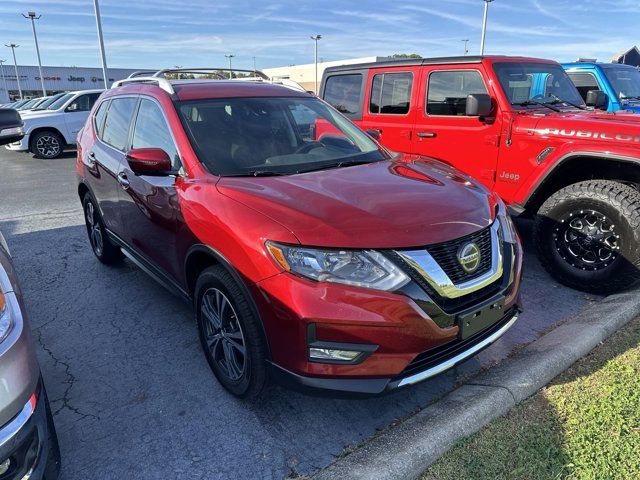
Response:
column 519, row 126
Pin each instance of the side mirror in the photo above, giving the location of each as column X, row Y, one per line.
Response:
column 73, row 107
column 478, row 105
column 597, row 99
column 373, row 133
column 149, row 161
column 11, row 126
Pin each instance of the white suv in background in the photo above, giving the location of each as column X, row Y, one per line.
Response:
column 48, row 132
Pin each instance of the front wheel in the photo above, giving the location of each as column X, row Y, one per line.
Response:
column 47, row 145
column 588, row 236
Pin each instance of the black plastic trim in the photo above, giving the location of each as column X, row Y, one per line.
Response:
column 313, row 342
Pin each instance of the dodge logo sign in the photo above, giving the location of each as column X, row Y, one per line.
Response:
column 469, row 257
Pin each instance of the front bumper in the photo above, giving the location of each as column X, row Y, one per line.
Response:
column 406, row 335
column 29, row 443
column 20, row 146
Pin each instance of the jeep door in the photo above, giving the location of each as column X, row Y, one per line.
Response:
column 445, row 132
column 149, row 204
column 76, row 113
column 389, row 108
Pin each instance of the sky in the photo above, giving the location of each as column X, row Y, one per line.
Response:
column 165, row 33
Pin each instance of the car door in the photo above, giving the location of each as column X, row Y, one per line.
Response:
column 445, row 132
column 388, row 106
column 76, row 113
column 105, row 157
column 149, row 204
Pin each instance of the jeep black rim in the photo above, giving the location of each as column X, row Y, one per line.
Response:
column 48, row 146
column 93, row 227
column 587, row 239
column 223, row 334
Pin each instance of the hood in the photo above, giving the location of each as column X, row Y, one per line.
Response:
column 38, row 113
column 408, row 202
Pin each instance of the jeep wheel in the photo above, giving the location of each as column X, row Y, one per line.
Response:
column 46, row 144
column 102, row 247
column 230, row 333
column 588, row 236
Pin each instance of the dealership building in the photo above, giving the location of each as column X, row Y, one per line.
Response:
column 56, row 80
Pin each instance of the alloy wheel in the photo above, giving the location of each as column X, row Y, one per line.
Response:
column 223, row 334
column 93, row 226
column 48, row 146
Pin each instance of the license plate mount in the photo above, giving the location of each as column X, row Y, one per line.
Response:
column 477, row 320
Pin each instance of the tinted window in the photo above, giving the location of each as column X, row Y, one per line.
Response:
column 84, row 102
column 60, row 102
column 584, row 82
column 151, row 130
column 99, row 117
column 116, row 125
column 343, row 93
column 391, row 93
column 625, row 81
column 447, row 91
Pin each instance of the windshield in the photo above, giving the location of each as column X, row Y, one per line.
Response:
column 625, row 81
column 60, row 101
column 527, row 84
column 28, row 105
column 273, row 136
column 48, row 101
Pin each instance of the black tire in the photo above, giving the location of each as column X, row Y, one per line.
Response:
column 103, row 249
column 610, row 211
column 46, row 144
column 240, row 325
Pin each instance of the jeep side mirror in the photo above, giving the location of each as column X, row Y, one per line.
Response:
column 597, row 99
column 373, row 133
column 478, row 105
column 11, row 126
column 149, row 161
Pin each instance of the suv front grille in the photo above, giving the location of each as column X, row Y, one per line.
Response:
column 446, row 254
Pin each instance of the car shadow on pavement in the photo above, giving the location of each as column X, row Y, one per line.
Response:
column 132, row 394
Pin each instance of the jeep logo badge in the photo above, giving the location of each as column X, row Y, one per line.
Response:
column 469, row 257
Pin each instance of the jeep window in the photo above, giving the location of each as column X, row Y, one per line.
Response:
column 100, row 116
column 447, row 91
column 391, row 93
column 116, row 125
column 151, row 130
column 625, row 81
column 84, row 102
column 60, row 102
column 584, row 82
column 273, row 136
column 518, row 81
column 343, row 93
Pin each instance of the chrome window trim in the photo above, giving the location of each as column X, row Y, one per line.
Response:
column 436, row 277
column 10, row 430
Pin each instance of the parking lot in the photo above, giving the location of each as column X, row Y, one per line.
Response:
column 131, row 392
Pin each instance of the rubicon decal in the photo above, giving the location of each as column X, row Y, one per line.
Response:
column 622, row 137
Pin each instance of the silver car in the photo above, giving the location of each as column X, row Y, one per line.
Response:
column 28, row 443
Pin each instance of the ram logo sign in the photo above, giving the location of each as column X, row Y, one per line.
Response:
column 622, row 137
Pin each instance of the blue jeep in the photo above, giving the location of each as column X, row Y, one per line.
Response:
column 621, row 83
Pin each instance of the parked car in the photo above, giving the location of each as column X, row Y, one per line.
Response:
column 11, row 126
column 45, row 104
column 310, row 253
column 520, row 127
column 49, row 132
column 29, row 104
column 16, row 105
column 620, row 83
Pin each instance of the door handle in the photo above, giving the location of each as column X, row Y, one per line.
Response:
column 92, row 157
column 123, row 180
column 427, row 134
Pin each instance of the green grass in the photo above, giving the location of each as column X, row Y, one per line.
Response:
column 585, row 425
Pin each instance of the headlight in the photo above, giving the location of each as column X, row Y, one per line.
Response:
column 360, row 268
column 507, row 228
column 5, row 318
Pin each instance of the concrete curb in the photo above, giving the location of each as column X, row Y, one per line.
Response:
column 407, row 449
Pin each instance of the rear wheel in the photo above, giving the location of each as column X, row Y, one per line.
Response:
column 46, row 144
column 588, row 236
column 102, row 247
column 230, row 333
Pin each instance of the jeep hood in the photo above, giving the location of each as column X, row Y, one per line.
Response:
column 408, row 202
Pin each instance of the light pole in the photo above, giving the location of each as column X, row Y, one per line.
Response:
column 484, row 24
column 103, row 57
column 230, row 56
column 4, row 80
column 315, row 38
column 466, row 43
column 254, row 65
column 13, row 47
column 32, row 16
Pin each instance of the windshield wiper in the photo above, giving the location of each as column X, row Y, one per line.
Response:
column 535, row 102
column 264, row 173
column 344, row 163
column 559, row 100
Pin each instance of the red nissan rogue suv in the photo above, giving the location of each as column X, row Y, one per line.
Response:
column 312, row 255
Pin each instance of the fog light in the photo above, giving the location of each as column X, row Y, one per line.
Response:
column 331, row 354
column 4, row 466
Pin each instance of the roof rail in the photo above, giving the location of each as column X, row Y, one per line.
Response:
column 163, row 83
column 209, row 70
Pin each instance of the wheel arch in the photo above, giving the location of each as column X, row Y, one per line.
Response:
column 580, row 166
column 200, row 257
column 37, row 130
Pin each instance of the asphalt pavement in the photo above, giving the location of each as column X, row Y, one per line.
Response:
column 130, row 389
